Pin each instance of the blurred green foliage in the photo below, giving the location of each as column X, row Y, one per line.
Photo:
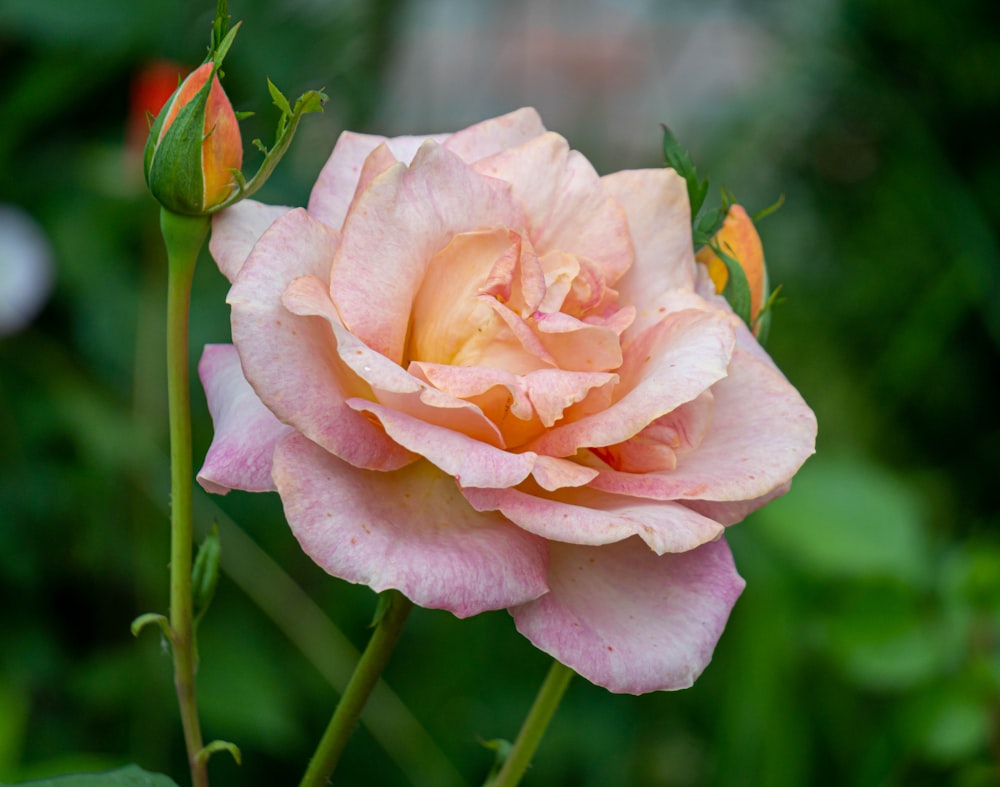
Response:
column 866, row 648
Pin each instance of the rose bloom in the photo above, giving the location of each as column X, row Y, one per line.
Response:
column 479, row 373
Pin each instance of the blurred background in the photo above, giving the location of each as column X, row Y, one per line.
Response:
column 866, row 647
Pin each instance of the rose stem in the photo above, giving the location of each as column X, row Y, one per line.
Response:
column 394, row 608
column 535, row 724
column 183, row 237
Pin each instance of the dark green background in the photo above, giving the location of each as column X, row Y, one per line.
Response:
column 865, row 648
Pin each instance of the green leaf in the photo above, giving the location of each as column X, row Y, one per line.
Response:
column 279, row 98
column 129, row 776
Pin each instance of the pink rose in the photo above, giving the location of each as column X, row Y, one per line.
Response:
column 479, row 373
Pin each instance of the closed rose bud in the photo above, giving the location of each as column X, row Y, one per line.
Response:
column 194, row 146
column 738, row 239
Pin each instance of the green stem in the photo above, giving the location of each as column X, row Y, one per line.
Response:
column 184, row 237
column 535, row 724
column 395, row 608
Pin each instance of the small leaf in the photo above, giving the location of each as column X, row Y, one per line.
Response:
column 279, row 98
column 205, row 574
column 215, row 746
column 502, row 748
column 129, row 776
column 151, row 617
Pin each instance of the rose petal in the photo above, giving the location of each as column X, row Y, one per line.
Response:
column 426, row 205
column 730, row 513
column 669, row 364
column 246, row 432
column 492, row 136
column 292, row 361
column 659, row 219
column 470, row 462
column 629, row 620
column 409, row 529
column 760, row 434
column 567, row 204
column 590, row 517
column 337, row 183
column 235, row 230
column 389, row 384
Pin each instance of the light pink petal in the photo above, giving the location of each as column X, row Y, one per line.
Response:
column 471, row 462
column 235, row 230
column 492, row 136
column 579, row 346
column 590, row 517
column 659, row 219
column 629, row 620
column 730, row 513
column 396, row 227
column 246, row 432
column 552, row 473
column 292, row 361
column 669, row 364
column 337, row 183
column 390, row 384
column 409, row 529
column 566, row 202
column 760, row 434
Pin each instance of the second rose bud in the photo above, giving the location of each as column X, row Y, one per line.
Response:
column 194, row 147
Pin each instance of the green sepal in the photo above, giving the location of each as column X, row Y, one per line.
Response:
column 762, row 325
column 173, row 165
column 311, row 101
column 151, row 617
column 765, row 212
column 214, row 746
column 737, row 289
column 205, row 573
column 679, row 160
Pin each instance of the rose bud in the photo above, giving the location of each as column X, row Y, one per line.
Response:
column 194, row 147
column 738, row 240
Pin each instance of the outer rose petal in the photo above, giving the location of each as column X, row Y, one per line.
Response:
column 761, row 433
column 291, row 361
column 492, row 136
column 337, row 182
column 630, row 620
column 235, row 230
column 656, row 204
column 246, row 432
column 409, row 529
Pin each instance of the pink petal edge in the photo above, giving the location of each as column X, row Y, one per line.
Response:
column 629, row 620
column 409, row 529
column 246, row 432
